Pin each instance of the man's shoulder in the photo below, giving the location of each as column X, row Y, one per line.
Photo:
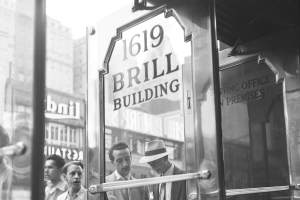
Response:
column 62, row 186
column 62, row 196
column 178, row 170
column 110, row 177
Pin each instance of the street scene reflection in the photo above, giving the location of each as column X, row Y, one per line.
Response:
column 144, row 114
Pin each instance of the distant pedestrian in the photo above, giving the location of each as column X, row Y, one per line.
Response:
column 72, row 173
column 55, row 186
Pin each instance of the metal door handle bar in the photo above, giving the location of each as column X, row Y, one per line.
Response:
column 235, row 192
column 295, row 186
column 13, row 150
column 117, row 185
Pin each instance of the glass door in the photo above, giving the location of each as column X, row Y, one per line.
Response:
column 144, row 104
column 157, row 110
column 21, row 98
column 254, row 131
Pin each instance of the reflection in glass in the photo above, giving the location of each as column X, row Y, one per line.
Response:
column 144, row 100
column 66, row 91
column 16, row 72
column 293, row 100
column 5, row 166
column 253, row 123
column 143, row 90
column 280, row 195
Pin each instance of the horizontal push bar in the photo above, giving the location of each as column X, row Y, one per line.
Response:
column 117, row 185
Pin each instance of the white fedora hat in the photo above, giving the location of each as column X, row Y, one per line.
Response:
column 155, row 149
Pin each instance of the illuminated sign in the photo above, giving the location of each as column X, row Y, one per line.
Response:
column 65, row 153
column 56, row 110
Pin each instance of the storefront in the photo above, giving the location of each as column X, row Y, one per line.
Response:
column 216, row 81
column 65, row 126
column 252, row 153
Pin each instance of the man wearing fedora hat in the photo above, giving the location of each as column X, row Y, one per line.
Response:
column 156, row 155
column 120, row 157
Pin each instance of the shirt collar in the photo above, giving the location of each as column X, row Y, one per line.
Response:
column 169, row 171
column 60, row 186
column 82, row 190
column 120, row 177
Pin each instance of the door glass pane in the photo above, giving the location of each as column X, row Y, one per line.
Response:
column 16, row 76
column 66, row 94
column 271, row 195
column 144, row 100
column 66, row 83
column 254, row 132
column 293, row 105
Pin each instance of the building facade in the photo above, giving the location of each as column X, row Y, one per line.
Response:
column 80, row 66
column 230, row 117
column 65, row 132
column 59, row 62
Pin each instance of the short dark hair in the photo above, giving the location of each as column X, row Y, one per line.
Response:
column 68, row 164
column 59, row 161
column 118, row 146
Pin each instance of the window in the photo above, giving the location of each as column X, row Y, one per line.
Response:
column 151, row 107
column 253, row 126
column 81, row 139
column 17, row 103
column 71, row 135
column 52, row 133
column 66, row 134
column 75, row 133
column 56, row 133
column 61, row 132
column 47, row 133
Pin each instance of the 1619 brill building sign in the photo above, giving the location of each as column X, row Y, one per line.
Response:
column 143, row 75
column 144, row 62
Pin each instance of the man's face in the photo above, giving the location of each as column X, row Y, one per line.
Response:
column 73, row 177
column 158, row 165
column 51, row 173
column 122, row 161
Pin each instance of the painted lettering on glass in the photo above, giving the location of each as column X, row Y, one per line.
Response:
column 138, row 41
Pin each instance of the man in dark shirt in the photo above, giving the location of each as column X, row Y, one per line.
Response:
column 156, row 155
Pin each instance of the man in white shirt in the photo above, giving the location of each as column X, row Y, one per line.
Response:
column 72, row 173
column 120, row 157
column 55, row 186
column 156, row 155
